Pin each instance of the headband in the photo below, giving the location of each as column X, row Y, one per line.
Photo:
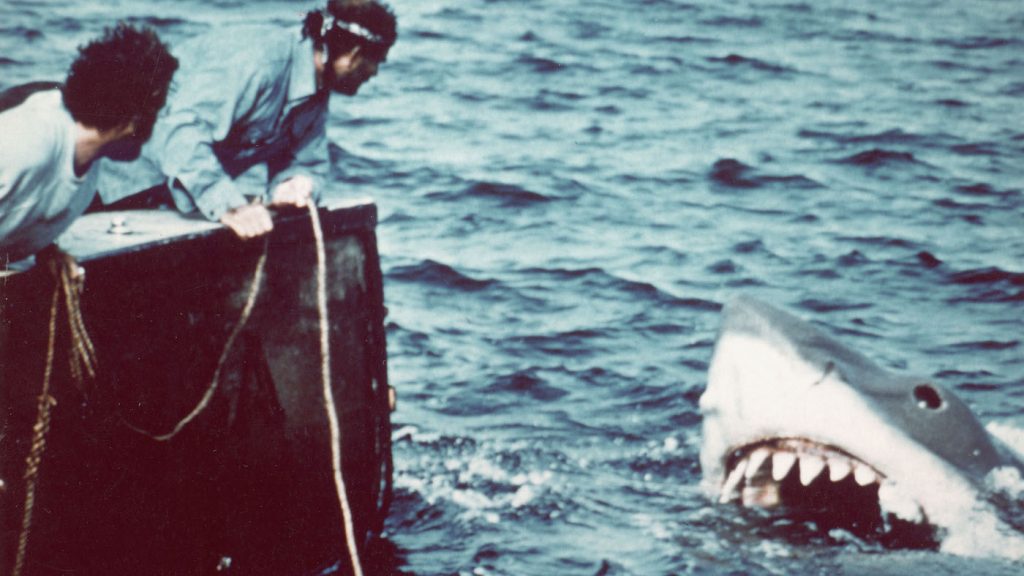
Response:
column 354, row 29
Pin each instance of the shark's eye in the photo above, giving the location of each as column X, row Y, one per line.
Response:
column 927, row 397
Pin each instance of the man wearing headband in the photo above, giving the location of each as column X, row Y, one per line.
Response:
column 52, row 133
column 251, row 97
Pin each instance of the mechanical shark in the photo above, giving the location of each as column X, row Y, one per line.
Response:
column 795, row 422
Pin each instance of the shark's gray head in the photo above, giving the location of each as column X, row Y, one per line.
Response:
column 795, row 420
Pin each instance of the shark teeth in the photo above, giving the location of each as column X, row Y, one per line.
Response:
column 864, row 475
column 782, row 463
column 757, row 458
column 810, row 468
column 729, row 489
column 839, row 469
column 756, row 473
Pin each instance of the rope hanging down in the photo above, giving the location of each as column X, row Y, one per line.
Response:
column 82, row 356
column 325, row 367
column 329, row 406
column 250, row 303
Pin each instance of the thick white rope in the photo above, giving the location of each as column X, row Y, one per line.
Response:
column 329, row 406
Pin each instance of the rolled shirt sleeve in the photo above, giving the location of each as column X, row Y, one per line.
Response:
column 208, row 112
column 187, row 136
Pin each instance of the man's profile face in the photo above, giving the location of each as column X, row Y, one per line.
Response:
column 346, row 73
column 128, row 146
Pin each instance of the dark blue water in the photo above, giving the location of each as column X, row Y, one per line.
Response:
column 569, row 190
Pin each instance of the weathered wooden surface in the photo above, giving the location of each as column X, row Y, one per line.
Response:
column 250, row 478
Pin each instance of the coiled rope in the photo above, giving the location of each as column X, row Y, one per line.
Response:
column 82, row 358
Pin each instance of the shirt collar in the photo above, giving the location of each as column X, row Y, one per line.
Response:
column 303, row 80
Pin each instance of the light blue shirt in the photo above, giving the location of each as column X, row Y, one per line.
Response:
column 241, row 97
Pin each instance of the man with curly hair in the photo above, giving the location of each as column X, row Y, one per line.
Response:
column 257, row 96
column 51, row 134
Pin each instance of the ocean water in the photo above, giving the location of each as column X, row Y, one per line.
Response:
column 569, row 190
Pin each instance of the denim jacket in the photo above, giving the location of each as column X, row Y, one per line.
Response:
column 241, row 97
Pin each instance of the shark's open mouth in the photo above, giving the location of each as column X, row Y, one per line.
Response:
column 794, row 472
column 823, row 483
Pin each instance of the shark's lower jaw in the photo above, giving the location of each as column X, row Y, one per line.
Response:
column 826, row 485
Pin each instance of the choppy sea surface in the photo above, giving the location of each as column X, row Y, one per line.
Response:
column 569, row 191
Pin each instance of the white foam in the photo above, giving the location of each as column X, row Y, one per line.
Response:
column 1006, row 480
column 895, row 502
column 472, row 500
column 522, row 497
column 981, row 534
column 1010, row 435
column 671, row 444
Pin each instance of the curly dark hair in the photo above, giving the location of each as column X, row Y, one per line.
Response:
column 121, row 77
column 374, row 15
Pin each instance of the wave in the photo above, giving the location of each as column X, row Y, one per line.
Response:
column 753, row 63
column 540, row 65
column 408, row 341
column 723, row 267
column 976, row 149
column 598, row 280
column 962, row 374
column 853, row 258
column 826, row 306
column 22, row 32
column 161, row 23
column 990, row 275
column 549, row 101
column 983, row 345
column 571, row 344
column 428, row 35
column 975, row 42
column 685, row 40
column 952, row 204
column 528, row 383
column 733, row 22
column 437, row 274
column 751, row 247
column 870, row 37
column 732, row 173
column 508, row 194
column 879, row 157
column 884, row 241
column 928, row 260
column 894, row 136
column 1013, row 89
column 977, row 387
column 983, row 189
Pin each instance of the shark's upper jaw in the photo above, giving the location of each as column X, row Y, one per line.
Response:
column 796, row 472
column 824, row 483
